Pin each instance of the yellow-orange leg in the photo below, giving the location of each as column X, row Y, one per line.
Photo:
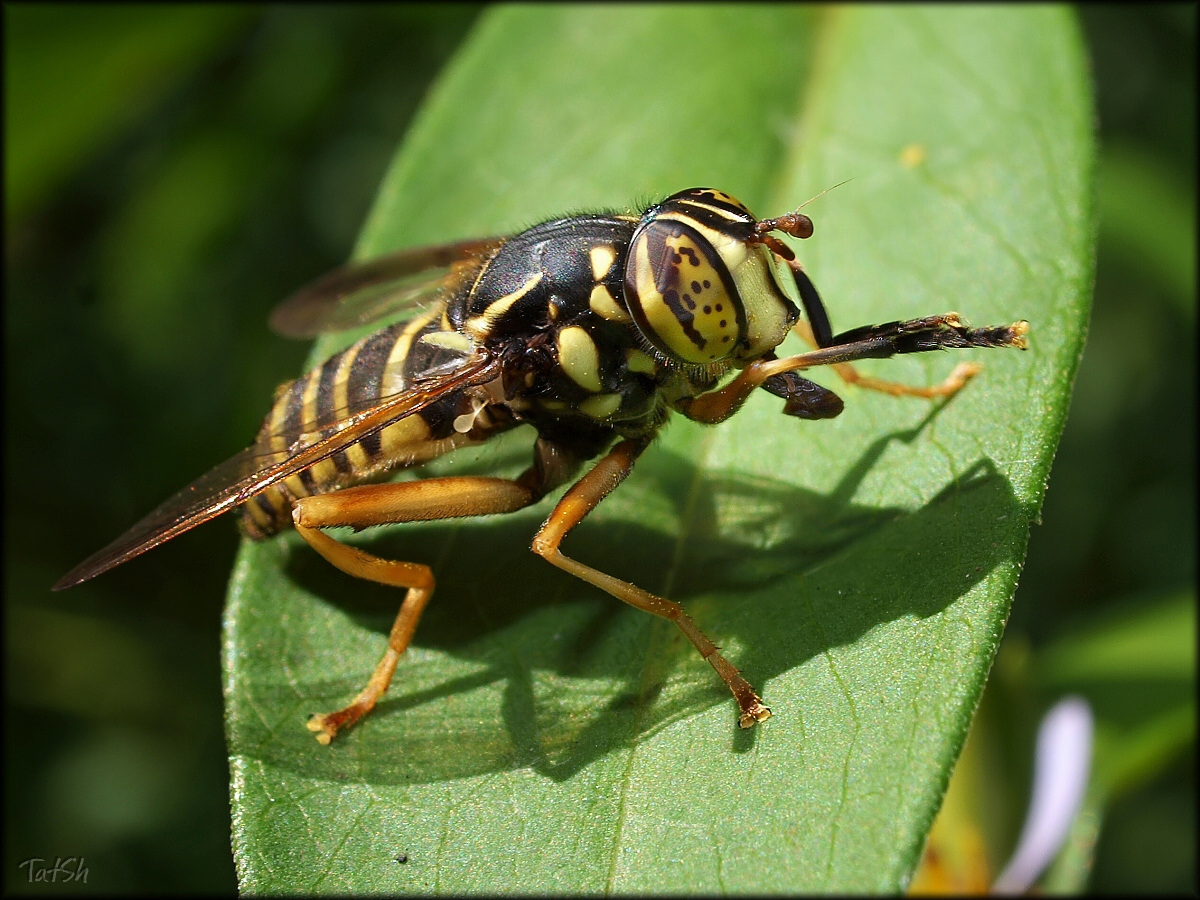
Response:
column 580, row 500
column 376, row 504
column 939, row 332
column 955, row 381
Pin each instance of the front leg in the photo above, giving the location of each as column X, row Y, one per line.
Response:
column 816, row 331
column 953, row 383
column 946, row 332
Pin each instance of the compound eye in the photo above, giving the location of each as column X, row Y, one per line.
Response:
column 681, row 295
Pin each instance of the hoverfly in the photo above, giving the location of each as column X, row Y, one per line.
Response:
column 590, row 328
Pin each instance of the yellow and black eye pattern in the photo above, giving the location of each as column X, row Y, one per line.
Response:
column 678, row 287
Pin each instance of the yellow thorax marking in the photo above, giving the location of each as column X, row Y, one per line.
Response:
column 579, row 358
column 602, row 259
column 479, row 326
column 604, row 305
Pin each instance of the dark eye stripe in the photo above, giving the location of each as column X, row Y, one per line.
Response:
column 709, row 217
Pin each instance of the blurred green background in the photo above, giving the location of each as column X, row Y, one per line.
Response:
column 171, row 172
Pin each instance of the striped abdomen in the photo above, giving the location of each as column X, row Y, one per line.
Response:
column 377, row 366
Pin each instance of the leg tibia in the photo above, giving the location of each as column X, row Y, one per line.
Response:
column 581, row 499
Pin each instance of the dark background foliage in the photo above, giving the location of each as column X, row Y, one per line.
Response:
column 244, row 146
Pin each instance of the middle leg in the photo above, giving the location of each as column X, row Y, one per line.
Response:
column 580, row 500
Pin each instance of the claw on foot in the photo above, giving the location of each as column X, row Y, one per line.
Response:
column 755, row 714
column 322, row 727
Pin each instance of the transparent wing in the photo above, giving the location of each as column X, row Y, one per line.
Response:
column 253, row 470
column 361, row 293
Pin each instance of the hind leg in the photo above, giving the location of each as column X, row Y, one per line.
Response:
column 434, row 498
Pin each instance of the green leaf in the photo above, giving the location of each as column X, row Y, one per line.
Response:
column 542, row 737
